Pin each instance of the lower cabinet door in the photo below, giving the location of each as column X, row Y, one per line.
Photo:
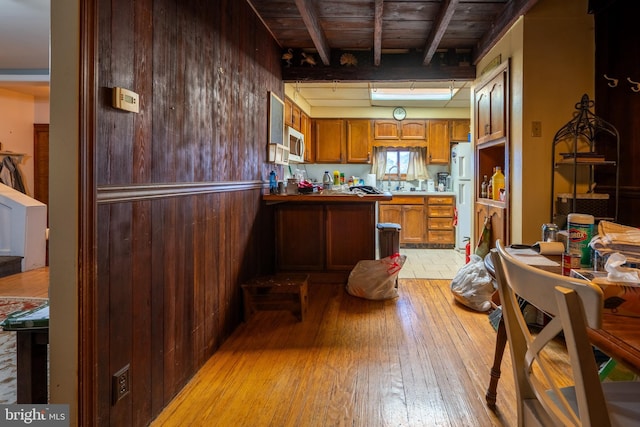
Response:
column 300, row 239
column 350, row 231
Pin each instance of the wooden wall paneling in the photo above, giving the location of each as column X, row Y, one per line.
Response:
column 102, row 306
column 169, row 316
column 619, row 105
column 121, row 71
column 159, row 238
column 142, row 359
column 164, row 127
column 169, row 268
column 121, row 336
column 143, row 85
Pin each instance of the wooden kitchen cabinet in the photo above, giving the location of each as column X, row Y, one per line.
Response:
column 459, row 130
column 288, row 112
column 359, row 141
column 329, row 140
column 440, row 214
column 386, row 129
column 409, row 212
column 439, row 147
column 300, row 238
column 498, row 215
column 292, row 114
column 413, row 130
column 491, row 150
column 324, row 237
column 305, row 124
column 406, row 130
column 490, row 101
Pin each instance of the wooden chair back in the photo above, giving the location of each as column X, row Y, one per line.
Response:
column 573, row 304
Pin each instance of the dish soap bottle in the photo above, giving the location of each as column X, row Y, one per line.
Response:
column 497, row 183
column 326, row 181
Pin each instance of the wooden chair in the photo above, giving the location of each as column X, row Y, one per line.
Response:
column 573, row 304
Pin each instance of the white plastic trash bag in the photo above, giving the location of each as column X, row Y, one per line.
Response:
column 473, row 285
column 376, row 279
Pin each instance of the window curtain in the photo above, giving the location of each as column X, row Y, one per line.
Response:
column 417, row 168
column 379, row 164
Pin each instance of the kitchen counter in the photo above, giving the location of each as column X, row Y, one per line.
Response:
column 324, row 234
column 325, row 197
column 423, row 193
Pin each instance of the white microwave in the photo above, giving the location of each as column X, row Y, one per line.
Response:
column 295, row 141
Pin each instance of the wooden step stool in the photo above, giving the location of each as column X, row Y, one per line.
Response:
column 278, row 292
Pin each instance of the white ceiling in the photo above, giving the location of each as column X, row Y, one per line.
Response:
column 24, row 64
column 24, row 46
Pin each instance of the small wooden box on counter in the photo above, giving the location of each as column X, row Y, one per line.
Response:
column 278, row 292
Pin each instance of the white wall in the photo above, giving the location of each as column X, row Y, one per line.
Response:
column 17, row 117
column 63, row 204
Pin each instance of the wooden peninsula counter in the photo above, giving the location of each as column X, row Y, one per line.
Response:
column 323, row 234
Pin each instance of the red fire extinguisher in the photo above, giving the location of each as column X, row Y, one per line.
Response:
column 467, row 251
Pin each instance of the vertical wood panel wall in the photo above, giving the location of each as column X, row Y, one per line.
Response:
column 179, row 214
column 619, row 105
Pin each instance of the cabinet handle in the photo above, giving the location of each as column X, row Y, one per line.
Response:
column 486, row 129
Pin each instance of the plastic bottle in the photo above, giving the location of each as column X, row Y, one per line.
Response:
column 336, row 178
column 273, row 183
column 326, row 181
column 580, row 228
column 483, row 187
column 497, row 183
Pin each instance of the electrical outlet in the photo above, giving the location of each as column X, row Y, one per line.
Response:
column 120, row 384
column 536, row 129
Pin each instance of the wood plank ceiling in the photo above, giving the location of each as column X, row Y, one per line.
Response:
column 347, row 40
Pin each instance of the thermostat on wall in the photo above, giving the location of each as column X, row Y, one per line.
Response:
column 127, row 100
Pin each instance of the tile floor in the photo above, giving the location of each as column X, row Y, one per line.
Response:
column 431, row 263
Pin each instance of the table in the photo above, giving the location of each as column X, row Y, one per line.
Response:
column 618, row 338
column 32, row 341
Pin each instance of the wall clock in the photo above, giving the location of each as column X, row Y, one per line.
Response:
column 399, row 113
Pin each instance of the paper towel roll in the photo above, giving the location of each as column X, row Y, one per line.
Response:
column 370, row 180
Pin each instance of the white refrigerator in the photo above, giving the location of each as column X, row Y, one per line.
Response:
column 462, row 179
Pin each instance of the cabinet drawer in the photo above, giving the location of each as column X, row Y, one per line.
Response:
column 440, row 200
column 440, row 224
column 404, row 200
column 440, row 211
column 441, row 236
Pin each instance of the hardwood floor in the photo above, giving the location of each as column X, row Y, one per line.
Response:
column 418, row 360
column 32, row 283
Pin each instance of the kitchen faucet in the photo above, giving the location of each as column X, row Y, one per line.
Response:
column 389, row 175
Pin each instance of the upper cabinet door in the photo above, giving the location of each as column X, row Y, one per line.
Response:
column 490, row 110
column 459, row 130
column 386, row 129
column 413, row 130
column 438, row 151
column 359, row 141
column 329, row 140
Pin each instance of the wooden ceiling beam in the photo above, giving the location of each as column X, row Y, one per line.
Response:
column 439, row 28
column 310, row 17
column 377, row 32
column 385, row 72
column 513, row 10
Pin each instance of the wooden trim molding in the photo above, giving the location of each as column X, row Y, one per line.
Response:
column 87, row 301
column 136, row 192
